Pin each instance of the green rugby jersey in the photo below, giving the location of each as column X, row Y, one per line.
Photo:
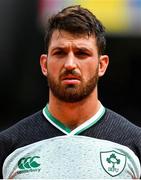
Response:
column 107, row 146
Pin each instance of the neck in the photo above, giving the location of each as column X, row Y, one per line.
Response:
column 74, row 114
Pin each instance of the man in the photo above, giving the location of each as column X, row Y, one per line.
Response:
column 74, row 136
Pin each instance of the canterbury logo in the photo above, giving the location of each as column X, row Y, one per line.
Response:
column 28, row 163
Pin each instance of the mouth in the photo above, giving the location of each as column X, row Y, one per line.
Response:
column 70, row 79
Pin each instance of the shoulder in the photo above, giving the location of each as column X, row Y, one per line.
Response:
column 18, row 131
column 123, row 131
column 120, row 122
column 17, row 135
column 22, row 124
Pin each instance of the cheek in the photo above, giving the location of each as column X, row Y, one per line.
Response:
column 53, row 69
column 90, row 71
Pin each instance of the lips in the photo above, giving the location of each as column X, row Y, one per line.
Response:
column 70, row 79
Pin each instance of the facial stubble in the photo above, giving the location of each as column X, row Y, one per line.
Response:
column 72, row 92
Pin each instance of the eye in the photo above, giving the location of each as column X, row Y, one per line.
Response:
column 82, row 54
column 59, row 53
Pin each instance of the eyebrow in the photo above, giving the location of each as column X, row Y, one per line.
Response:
column 80, row 48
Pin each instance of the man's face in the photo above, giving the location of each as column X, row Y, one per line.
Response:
column 72, row 66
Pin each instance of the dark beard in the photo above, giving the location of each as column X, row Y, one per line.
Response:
column 73, row 93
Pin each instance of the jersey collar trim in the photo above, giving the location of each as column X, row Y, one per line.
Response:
column 87, row 124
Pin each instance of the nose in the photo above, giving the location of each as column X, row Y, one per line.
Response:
column 70, row 62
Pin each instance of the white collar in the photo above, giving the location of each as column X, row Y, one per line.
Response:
column 87, row 124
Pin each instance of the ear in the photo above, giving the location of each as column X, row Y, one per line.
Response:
column 43, row 64
column 103, row 64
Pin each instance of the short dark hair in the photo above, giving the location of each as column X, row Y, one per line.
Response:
column 76, row 20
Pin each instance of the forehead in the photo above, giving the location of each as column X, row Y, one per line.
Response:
column 64, row 39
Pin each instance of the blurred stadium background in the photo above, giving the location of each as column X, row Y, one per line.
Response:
column 23, row 89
